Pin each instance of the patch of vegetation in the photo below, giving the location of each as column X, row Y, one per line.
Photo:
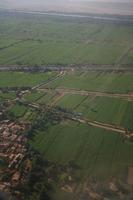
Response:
column 98, row 152
column 20, row 79
column 8, row 95
column 40, row 97
column 94, row 81
column 33, row 97
column 2, row 163
column 98, row 108
column 54, row 40
column 18, row 110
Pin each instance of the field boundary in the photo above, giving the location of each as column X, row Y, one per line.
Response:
column 127, row 96
column 55, row 67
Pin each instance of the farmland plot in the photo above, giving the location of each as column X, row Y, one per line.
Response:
column 102, row 109
column 39, row 40
column 20, row 79
column 18, row 110
column 93, row 81
column 33, row 97
column 8, row 95
column 40, row 97
column 98, row 152
column 47, row 100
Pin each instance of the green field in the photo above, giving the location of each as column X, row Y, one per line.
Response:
column 129, row 57
column 40, row 97
column 102, row 109
column 21, row 112
column 71, row 102
column 7, row 95
column 94, row 81
column 70, row 154
column 29, row 115
column 20, row 79
column 34, row 39
column 18, row 110
column 33, row 97
column 98, row 152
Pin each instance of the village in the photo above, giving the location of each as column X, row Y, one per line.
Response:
column 13, row 152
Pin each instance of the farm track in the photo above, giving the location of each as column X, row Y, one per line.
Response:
column 100, row 125
column 124, row 55
column 12, row 45
column 57, row 98
column 64, row 91
column 38, row 86
column 84, row 120
column 48, row 81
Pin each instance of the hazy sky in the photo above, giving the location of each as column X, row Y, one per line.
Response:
column 24, row 2
column 90, row 6
column 44, row 1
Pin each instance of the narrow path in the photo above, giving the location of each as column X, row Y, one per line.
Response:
column 123, row 56
column 57, row 98
column 90, row 122
column 100, row 125
column 48, row 81
column 97, row 124
column 22, row 93
column 64, row 91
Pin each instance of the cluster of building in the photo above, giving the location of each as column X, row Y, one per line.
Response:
column 13, row 153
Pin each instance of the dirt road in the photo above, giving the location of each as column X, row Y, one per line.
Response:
column 83, row 120
column 64, row 91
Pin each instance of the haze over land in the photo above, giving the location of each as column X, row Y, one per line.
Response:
column 66, row 100
column 123, row 7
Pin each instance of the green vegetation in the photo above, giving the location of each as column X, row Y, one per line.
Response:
column 129, row 57
column 40, row 97
column 41, row 40
column 7, row 95
column 20, row 79
column 94, row 81
column 47, row 98
column 18, row 110
column 22, row 112
column 102, row 109
column 66, row 155
column 32, row 97
column 97, row 152
column 2, row 164
column 71, row 101
column 29, row 115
